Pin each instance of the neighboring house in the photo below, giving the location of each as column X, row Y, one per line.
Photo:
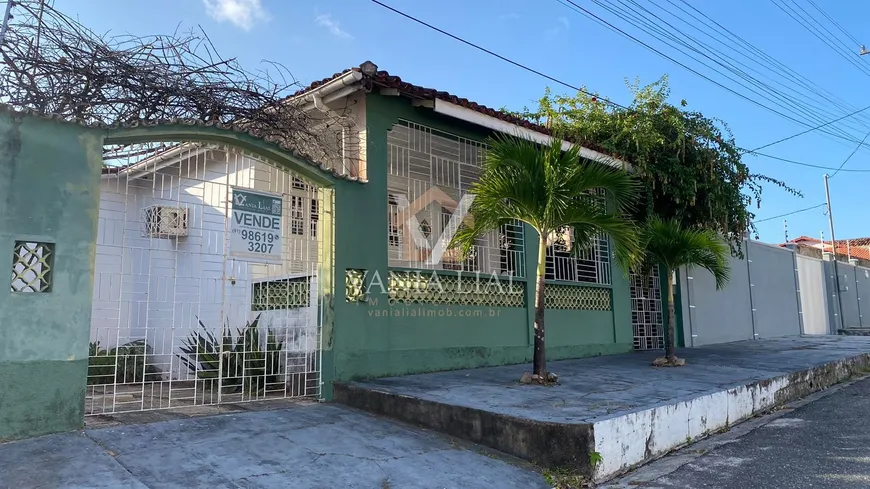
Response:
column 163, row 262
column 853, row 248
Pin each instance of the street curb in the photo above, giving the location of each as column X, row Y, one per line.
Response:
column 834, row 376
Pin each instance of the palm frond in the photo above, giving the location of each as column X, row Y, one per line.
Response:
column 666, row 242
column 548, row 188
column 589, row 223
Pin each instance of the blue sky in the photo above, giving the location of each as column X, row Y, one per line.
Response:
column 317, row 38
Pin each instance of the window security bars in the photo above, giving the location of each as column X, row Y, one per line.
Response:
column 429, row 175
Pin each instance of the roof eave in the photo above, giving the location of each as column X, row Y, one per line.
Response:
column 480, row 119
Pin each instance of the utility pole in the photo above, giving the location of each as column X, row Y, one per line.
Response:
column 834, row 253
column 785, row 229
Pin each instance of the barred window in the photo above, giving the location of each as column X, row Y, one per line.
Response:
column 429, row 173
column 315, row 217
column 571, row 261
column 297, row 215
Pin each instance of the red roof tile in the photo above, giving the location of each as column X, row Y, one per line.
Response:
column 383, row 79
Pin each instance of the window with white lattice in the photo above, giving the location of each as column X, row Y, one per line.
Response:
column 429, row 171
column 297, row 215
column 582, row 262
column 315, row 217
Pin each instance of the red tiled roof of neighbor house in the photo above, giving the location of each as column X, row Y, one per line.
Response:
column 383, row 79
column 856, row 248
column 840, row 242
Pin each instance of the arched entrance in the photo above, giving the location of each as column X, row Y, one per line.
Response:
column 212, row 260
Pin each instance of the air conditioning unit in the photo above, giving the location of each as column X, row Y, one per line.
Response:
column 165, row 222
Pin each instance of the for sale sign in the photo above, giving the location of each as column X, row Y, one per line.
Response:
column 256, row 226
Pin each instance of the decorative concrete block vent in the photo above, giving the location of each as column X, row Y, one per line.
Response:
column 31, row 266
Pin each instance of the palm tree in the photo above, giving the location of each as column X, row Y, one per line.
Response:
column 667, row 244
column 553, row 191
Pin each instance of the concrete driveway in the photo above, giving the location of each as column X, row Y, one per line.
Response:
column 309, row 446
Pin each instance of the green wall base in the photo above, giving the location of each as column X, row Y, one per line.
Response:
column 582, row 351
column 41, row 397
column 363, row 365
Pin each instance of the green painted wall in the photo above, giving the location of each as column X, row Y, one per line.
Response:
column 49, row 178
column 366, row 342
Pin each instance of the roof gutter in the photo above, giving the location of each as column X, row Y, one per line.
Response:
column 329, row 91
column 154, row 163
column 496, row 124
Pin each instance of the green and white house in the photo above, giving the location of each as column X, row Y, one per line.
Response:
column 340, row 261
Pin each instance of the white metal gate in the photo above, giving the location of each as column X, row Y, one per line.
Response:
column 647, row 316
column 206, row 286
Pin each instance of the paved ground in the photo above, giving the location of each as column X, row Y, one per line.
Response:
column 823, row 444
column 315, row 446
column 592, row 389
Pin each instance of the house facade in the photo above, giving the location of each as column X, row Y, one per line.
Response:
column 422, row 149
column 359, row 282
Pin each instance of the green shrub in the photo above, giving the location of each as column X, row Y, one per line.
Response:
column 244, row 363
column 125, row 364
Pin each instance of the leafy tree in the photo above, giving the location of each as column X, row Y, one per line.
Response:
column 689, row 165
column 552, row 191
column 668, row 244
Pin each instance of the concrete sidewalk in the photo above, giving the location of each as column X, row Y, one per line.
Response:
column 616, row 406
column 315, row 446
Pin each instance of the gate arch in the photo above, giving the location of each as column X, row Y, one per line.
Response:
column 197, row 299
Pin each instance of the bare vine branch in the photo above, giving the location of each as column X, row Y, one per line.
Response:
column 53, row 65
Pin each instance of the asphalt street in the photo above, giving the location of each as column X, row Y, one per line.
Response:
column 824, row 443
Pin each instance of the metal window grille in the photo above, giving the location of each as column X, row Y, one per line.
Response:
column 32, row 266
column 647, row 316
column 588, row 264
column 429, row 172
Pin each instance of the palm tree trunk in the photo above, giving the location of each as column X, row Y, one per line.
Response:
column 670, row 349
column 539, row 362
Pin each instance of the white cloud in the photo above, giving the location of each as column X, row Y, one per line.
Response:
column 241, row 13
column 563, row 26
column 326, row 21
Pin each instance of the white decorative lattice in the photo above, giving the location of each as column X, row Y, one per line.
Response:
column 590, row 263
column 31, row 266
column 429, row 174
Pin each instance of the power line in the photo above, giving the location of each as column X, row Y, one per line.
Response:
column 766, row 59
column 603, row 99
column 789, row 213
column 578, row 9
column 810, row 165
column 582, row 10
column 850, row 155
column 487, row 51
column 837, row 24
column 810, row 129
column 807, row 24
column 717, row 37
